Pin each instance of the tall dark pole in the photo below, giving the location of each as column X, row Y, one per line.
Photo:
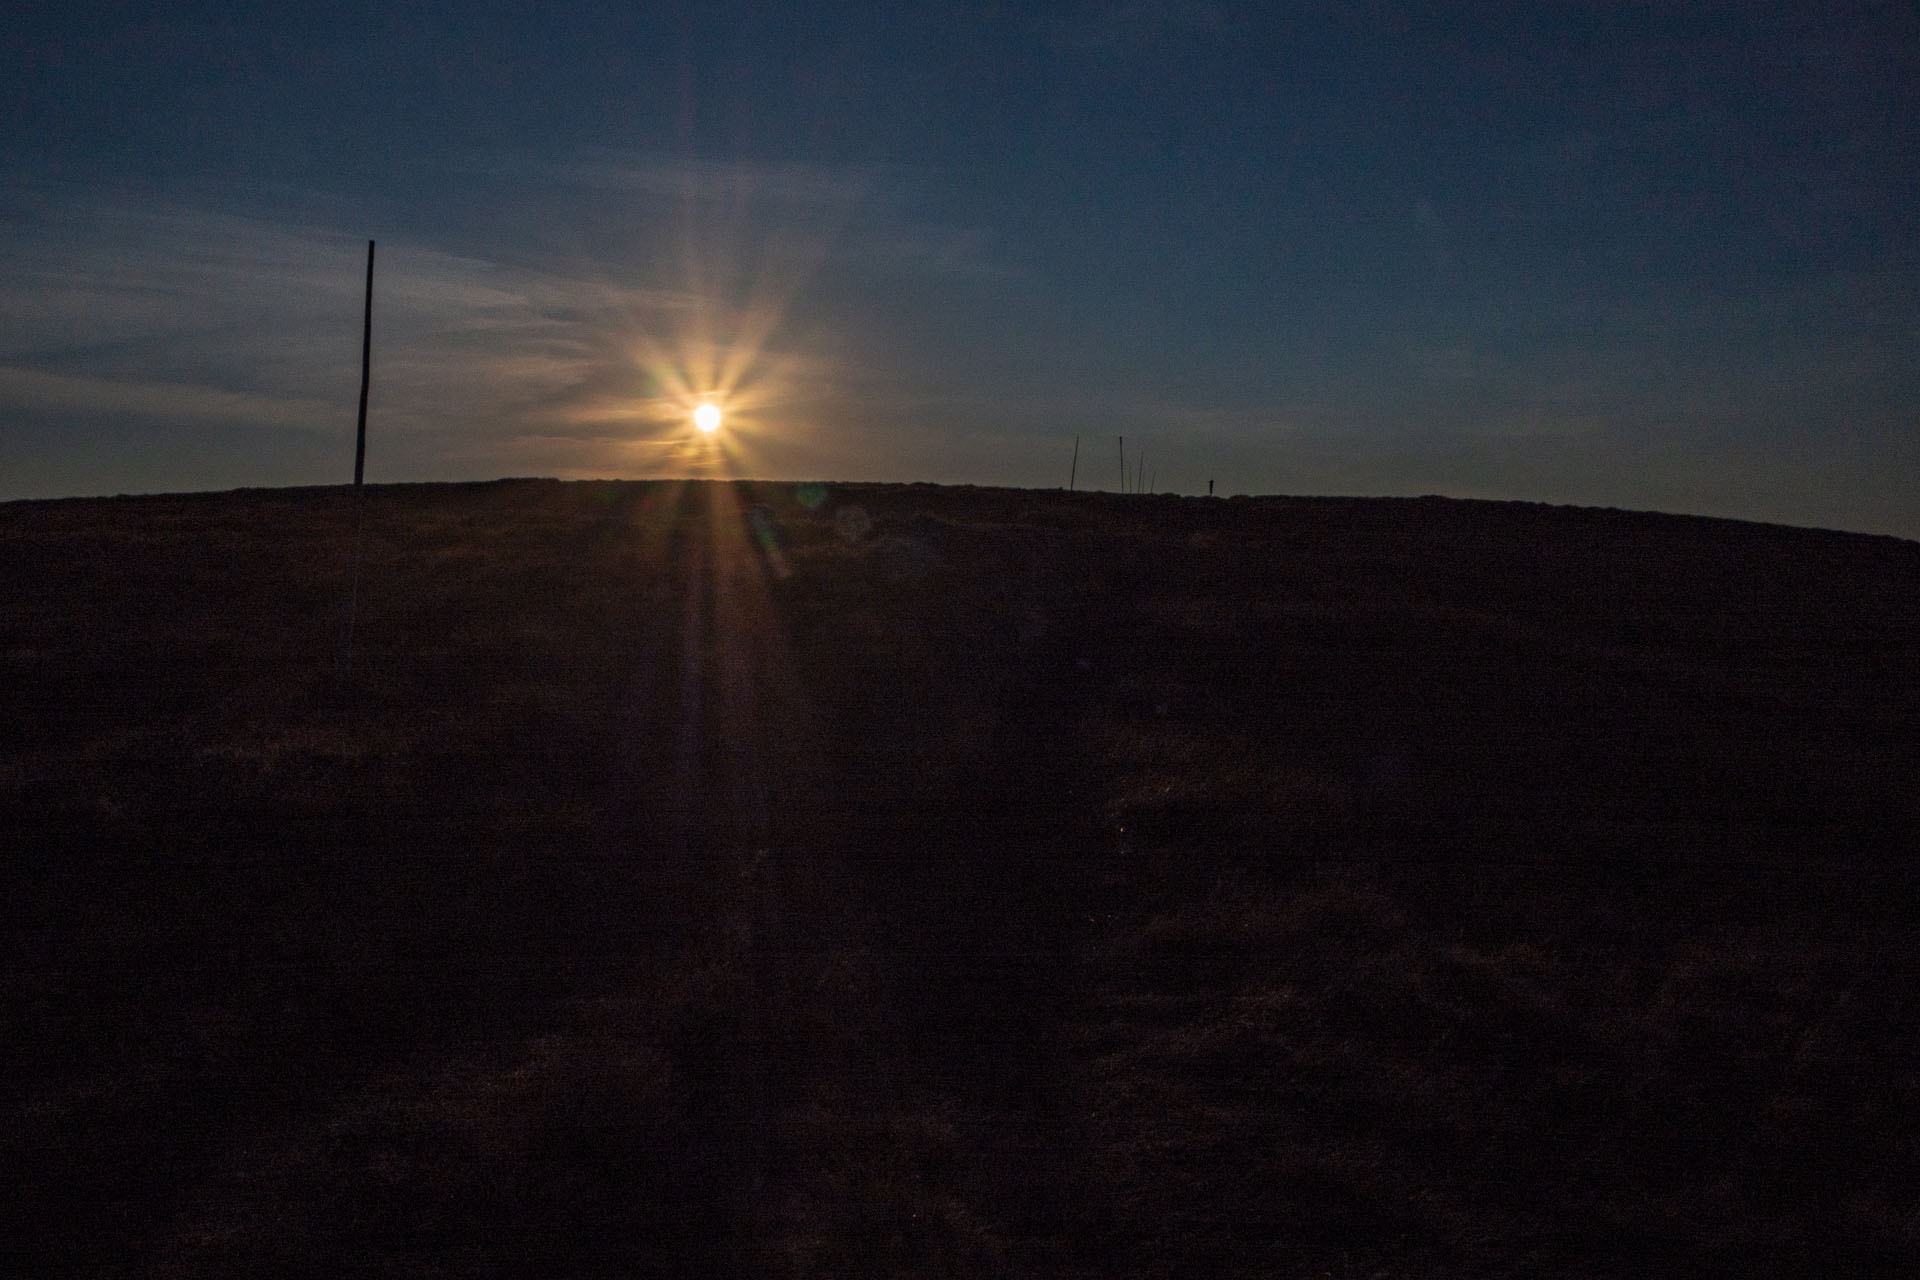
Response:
column 1123, row 464
column 366, row 373
column 1074, row 470
column 359, row 470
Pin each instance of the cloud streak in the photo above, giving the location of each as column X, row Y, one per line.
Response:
column 126, row 314
column 790, row 185
column 48, row 394
column 864, row 331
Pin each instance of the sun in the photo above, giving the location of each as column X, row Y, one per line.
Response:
column 707, row 418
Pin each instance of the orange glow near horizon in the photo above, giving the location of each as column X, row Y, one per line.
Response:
column 713, row 346
column 724, row 345
column 723, row 389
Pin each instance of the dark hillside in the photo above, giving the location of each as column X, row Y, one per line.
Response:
column 805, row 880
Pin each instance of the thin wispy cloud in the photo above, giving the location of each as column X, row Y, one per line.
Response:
column 52, row 393
column 1324, row 246
column 773, row 183
column 182, row 315
column 875, row 355
column 556, row 357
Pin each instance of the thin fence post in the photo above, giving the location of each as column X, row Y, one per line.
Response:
column 1123, row 464
column 1074, row 470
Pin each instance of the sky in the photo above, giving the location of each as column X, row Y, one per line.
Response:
column 1648, row 255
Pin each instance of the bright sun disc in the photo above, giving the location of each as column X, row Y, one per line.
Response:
column 707, row 418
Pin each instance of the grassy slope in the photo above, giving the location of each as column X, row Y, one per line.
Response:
column 1032, row 883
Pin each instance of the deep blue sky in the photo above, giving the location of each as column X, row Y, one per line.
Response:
column 1646, row 255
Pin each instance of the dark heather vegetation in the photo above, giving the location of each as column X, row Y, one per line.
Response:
column 858, row 880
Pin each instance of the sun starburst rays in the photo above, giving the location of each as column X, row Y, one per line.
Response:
column 721, row 336
column 713, row 389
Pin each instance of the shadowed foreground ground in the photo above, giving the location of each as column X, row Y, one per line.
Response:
column 857, row 880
